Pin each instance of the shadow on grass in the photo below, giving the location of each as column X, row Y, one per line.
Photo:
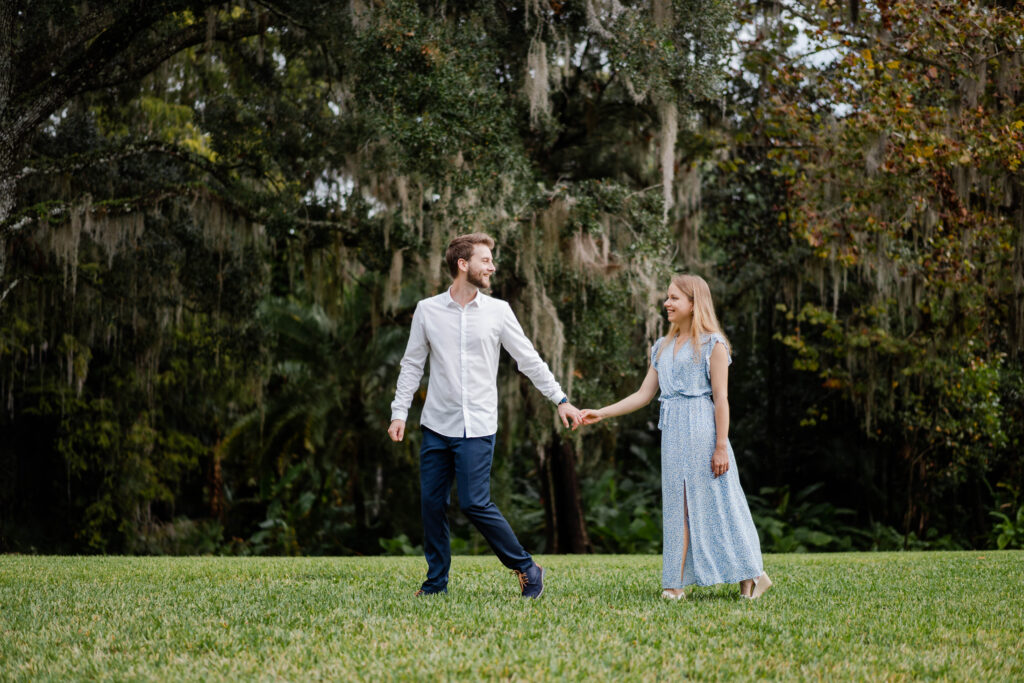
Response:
column 714, row 595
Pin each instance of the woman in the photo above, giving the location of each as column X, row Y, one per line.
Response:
column 709, row 536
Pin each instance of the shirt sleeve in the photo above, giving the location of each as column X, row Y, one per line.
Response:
column 527, row 359
column 416, row 352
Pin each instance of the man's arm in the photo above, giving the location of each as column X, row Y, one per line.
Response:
column 416, row 352
column 533, row 366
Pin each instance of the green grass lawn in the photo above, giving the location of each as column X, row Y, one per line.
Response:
column 876, row 616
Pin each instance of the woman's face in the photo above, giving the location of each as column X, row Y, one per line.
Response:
column 677, row 304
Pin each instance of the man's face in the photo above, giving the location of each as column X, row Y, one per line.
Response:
column 481, row 267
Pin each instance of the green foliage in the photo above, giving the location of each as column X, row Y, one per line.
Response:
column 624, row 512
column 400, row 545
column 180, row 536
column 792, row 523
column 1007, row 528
column 1009, row 533
column 131, row 462
column 304, row 447
column 889, row 214
column 871, row 177
column 881, row 537
column 427, row 88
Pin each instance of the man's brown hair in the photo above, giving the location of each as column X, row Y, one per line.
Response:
column 462, row 248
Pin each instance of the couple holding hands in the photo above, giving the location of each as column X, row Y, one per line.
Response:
column 709, row 535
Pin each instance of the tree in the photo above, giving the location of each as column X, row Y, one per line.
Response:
column 138, row 259
column 354, row 141
column 496, row 117
column 897, row 140
column 52, row 52
column 319, row 465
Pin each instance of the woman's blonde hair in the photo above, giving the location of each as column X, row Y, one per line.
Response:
column 704, row 321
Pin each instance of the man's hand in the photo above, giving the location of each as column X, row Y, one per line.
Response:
column 570, row 413
column 397, row 430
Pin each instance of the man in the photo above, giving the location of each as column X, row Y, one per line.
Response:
column 462, row 330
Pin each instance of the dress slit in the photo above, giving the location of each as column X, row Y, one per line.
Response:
column 686, row 536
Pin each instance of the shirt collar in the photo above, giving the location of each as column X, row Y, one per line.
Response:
column 449, row 301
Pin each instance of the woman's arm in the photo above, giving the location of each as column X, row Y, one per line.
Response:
column 720, row 393
column 634, row 401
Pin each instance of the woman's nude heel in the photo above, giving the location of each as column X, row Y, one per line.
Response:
column 761, row 584
column 672, row 596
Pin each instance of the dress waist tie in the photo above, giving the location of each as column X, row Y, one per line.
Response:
column 674, row 398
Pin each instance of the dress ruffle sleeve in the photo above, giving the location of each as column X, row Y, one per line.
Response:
column 709, row 346
column 654, row 351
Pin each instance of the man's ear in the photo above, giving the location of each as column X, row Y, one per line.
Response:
column 463, row 265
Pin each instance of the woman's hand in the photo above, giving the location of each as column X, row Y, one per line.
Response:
column 720, row 461
column 589, row 416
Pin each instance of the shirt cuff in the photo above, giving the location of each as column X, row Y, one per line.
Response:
column 402, row 415
column 558, row 399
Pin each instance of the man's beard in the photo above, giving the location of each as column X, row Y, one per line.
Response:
column 476, row 279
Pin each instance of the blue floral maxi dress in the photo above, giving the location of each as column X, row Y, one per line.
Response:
column 724, row 547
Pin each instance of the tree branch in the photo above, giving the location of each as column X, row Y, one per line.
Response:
column 80, row 162
column 116, row 56
column 875, row 41
column 46, row 54
column 131, row 65
column 47, row 95
column 278, row 8
column 55, row 210
column 8, row 290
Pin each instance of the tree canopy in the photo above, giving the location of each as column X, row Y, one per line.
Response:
column 216, row 219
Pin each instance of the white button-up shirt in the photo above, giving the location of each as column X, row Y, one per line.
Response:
column 463, row 343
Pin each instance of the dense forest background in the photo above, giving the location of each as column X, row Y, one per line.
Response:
column 216, row 220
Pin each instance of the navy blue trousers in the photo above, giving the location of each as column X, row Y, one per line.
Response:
column 466, row 460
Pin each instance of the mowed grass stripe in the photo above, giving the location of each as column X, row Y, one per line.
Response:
column 879, row 615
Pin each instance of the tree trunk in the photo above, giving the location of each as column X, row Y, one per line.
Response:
column 7, row 184
column 216, row 484
column 907, row 453
column 566, row 529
